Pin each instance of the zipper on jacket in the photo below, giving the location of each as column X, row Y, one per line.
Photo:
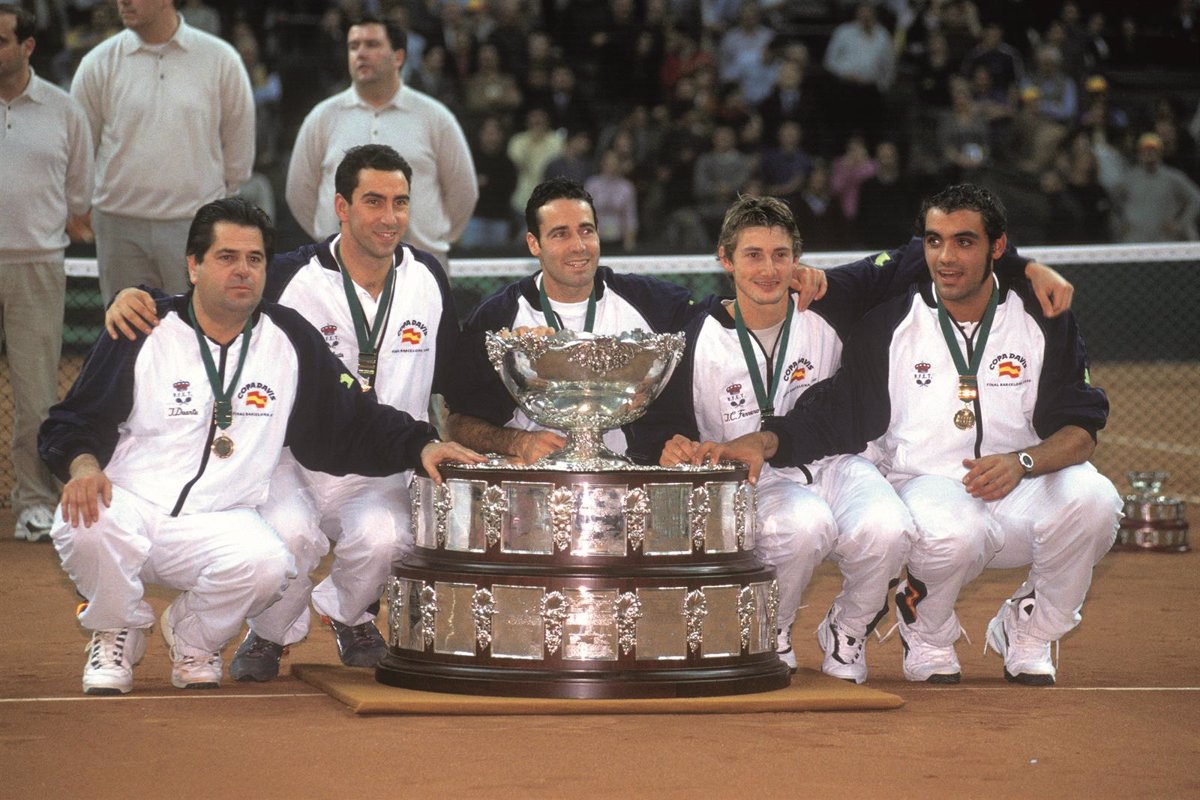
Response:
column 212, row 432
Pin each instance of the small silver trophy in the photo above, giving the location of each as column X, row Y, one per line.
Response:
column 1152, row 521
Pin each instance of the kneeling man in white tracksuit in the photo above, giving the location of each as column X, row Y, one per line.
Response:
column 167, row 444
column 980, row 412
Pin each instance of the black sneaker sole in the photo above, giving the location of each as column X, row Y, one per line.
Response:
column 202, row 685
column 1028, row 679
column 945, row 680
column 103, row 691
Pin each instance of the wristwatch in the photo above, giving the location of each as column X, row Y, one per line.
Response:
column 1026, row 462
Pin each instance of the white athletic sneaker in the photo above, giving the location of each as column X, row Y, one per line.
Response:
column 845, row 655
column 925, row 662
column 111, row 657
column 191, row 668
column 1026, row 658
column 33, row 524
column 783, row 647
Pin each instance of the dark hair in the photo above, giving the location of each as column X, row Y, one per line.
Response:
column 751, row 211
column 968, row 197
column 396, row 35
column 367, row 156
column 553, row 189
column 26, row 21
column 234, row 210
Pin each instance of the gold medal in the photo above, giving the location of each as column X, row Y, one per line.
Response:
column 222, row 446
column 964, row 419
column 367, row 363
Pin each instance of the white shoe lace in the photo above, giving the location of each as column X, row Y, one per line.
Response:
column 107, row 648
column 888, row 634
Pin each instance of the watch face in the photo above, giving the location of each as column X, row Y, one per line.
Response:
column 1026, row 461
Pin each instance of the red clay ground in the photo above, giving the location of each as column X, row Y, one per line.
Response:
column 1123, row 721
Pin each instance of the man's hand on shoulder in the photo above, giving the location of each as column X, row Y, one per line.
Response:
column 1052, row 290
column 131, row 309
column 810, row 284
column 992, row 477
column 436, row 453
column 82, row 495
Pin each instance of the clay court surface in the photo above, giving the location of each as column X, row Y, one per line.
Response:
column 1122, row 722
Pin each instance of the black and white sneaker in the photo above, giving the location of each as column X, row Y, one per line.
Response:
column 845, row 655
column 358, row 645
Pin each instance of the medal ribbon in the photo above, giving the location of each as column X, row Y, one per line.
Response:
column 552, row 318
column 368, row 339
column 967, row 372
column 766, row 400
column 222, row 399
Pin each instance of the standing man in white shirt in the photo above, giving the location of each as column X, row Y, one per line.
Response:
column 172, row 119
column 379, row 109
column 46, row 169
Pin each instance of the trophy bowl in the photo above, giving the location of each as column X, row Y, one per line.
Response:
column 584, row 384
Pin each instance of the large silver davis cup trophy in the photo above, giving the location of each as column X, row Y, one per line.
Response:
column 582, row 575
column 583, row 385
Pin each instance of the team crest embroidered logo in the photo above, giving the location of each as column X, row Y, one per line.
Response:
column 330, row 333
column 183, row 392
column 922, row 374
column 734, row 396
column 412, row 333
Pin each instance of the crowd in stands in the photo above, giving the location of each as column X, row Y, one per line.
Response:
column 1082, row 114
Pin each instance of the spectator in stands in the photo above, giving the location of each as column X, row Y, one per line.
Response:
column 46, row 169
column 380, row 109
column 862, row 63
column 615, row 200
column 785, row 167
column 878, row 225
column 720, row 175
column 850, row 170
column 963, row 135
column 1156, row 202
column 1001, row 60
column 435, row 79
column 1080, row 168
column 575, row 162
column 492, row 223
column 160, row 154
column 818, row 213
column 491, row 90
column 933, row 74
column 1033, row 138
column 531, row 150
column 682, row 57
column 569, row 108
column 1058, row 97
column 996, row 105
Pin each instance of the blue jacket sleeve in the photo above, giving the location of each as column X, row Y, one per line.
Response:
column 98, row 402
column 336, row 427
column 848, row 410
column 474, row 387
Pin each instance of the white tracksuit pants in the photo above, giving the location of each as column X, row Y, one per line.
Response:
column 227, row 564
column 1062, row 524
column 849, row 513
column 367, row 519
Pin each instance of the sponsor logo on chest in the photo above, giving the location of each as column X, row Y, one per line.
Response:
column 182, row 395
column 735, row 404
column 411, row 337
column 922, row 373
column 254, row 399
column 1007, row 370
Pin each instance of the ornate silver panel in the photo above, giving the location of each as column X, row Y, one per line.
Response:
column 405, row 627
column 454, row 626
column 554, row 609
column 721, row 627
column 720, row 530
column 637, row 508
column 667, row 526
column 743, row 519
column 762, row 622
column 661, row 630
column 599, row 528
column 441, row 512
column 517, row 627
column 495, row 505
column 526, row 526
column 746, row 609
column 423, row 514
column 429, row 609
column 464, row 520
column 483, row 607
column 590, row 633
column 627, row 612
column 695, row 609
column 562, row 508
column 699, row 506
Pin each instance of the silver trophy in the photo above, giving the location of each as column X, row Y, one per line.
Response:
column 1152, row 521
column 584, row 384
column 583, row 575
